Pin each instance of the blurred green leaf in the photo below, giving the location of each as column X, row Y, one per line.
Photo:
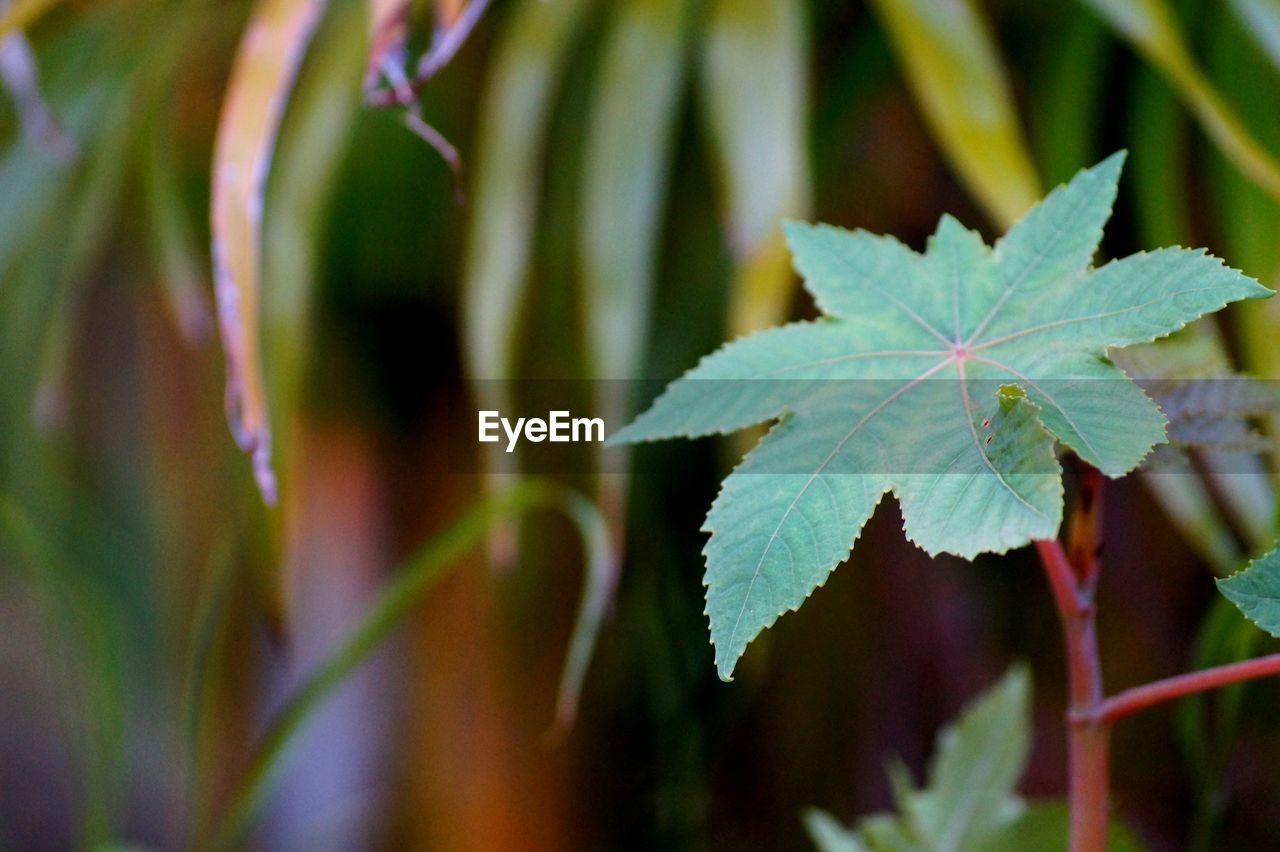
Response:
column 387, row 613
column 57, row 216
column 1256, row 591
column 957, row 77
column 1188, row 505
column 91, row 225
column 80, row 627
column 1247, row 217
column 600, row 576
column 626, row 165
column 1208, row 738
column 1044, row 827
column 1157, row 130
column 755, row 97
column 207, row 624
column 180, row 263
column 262, row 78
column 1151, row 28
column 829, row 835
column 525, row 71
column 1262, row 18
column 20, row 14
column 1068, row 102
column 34, row 184
column 975, row 769
column 313, row 138
column 970, row 803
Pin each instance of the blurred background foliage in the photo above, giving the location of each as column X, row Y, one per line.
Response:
column 182, row 664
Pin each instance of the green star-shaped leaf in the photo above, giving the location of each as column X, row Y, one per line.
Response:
column 944, row 377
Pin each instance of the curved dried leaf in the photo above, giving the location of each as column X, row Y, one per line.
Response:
column 313, row 139
column 262, row 77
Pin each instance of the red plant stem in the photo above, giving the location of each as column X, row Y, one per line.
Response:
column 1138, row 698
column 1088, row 735
column 1073, row 580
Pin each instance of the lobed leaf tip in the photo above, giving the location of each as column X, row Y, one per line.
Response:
column 795, row 228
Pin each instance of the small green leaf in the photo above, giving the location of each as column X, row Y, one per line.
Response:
column 976, row 767
column 829, row 835
column 970, row 795
column 896, row 391
column 970, row 802
column 1256, row 591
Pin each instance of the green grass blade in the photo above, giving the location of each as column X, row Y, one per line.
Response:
column 626, row 164
column 527, row 66
column 1150, row 27
column 207, row 623
column 1068, row 96
column 599, row 585
column 1262, row 20
column 96, row 720
column 178, row 259
column 387, row 613
column 1248, row 219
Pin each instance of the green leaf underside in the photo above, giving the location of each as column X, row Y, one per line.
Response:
column 1256, row 591
column 896, row 390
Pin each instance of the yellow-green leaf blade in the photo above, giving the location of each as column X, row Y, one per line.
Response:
column 957, row 76
column 1149, row 25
